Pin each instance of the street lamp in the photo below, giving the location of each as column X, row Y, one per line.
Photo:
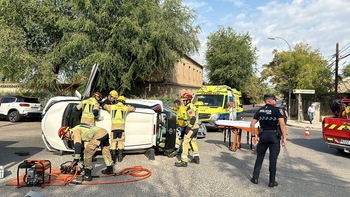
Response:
column 289, row 90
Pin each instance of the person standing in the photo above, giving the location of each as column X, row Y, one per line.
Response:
column 92, row 137
column 284, row 109
column 118, row 113
column 181, row 121
column 272, row 128
column 191, row 131
column 90, row 109
column 111, row 98
column 311, row 112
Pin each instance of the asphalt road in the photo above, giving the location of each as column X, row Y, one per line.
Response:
column 306, row 167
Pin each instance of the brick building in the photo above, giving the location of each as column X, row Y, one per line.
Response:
column 186, row 76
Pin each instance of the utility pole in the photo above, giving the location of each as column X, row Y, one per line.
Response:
column 336, row 70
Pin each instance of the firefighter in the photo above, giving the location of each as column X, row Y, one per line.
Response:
column 90, row 109
column 118, row 114
column 181, row 121
column 92, row 137
column 191, row 132
column 111, row 98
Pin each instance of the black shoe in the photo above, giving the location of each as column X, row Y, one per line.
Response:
column 114, row 155
column 195, row 159
column 255, row 181
column 273, row 184
column 120, row 155
column 108, row 170
column 173, row 154
column 87, row 175
column 181, row 164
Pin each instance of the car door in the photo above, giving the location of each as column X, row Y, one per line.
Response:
column 6, row 104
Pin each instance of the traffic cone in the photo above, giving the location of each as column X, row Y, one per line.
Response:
column 307, row 133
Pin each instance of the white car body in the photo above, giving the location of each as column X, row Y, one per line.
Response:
column 140, row 127
column 144, row 129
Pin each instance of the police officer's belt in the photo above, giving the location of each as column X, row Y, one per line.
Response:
column 264, row 130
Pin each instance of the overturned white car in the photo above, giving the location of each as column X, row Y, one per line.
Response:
column 145, row 129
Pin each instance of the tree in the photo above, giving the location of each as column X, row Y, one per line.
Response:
column 230, row 58
column 255, row 88
column 301, row 68
column 346, row 71
column 131, row 40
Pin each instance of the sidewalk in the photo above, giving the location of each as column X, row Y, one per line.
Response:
column 303, row 123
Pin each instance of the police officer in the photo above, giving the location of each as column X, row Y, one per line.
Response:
column 118, row 113
column 90, row 109
column 272, row 128
column 92, row 137
column 191, row 131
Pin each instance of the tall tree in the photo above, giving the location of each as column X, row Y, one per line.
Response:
column 255, row 88
column 230, row 58
column 302, row 68
column 131, row 40
column 346, row 71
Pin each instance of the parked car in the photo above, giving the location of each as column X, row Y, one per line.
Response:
column 147, row 128
column 14, row 108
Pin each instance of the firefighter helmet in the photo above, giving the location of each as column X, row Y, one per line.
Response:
column 62, row 131
column 186, row 96
column 97, row 94
column 114, row 93
column 121, row 98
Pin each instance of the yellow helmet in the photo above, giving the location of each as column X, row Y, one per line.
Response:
column 121, row 98
column 114, row 93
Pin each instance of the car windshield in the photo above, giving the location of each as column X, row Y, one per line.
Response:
column 210, row 100
column 28, row 100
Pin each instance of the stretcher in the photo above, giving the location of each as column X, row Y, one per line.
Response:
column 236, row 127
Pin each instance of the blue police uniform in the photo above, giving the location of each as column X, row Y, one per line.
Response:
column 270, row 137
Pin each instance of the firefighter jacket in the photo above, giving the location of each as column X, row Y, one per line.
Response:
column 118, row 114
column 90, row 109
column 181, row 116
column 192, row 116
column 86, row 133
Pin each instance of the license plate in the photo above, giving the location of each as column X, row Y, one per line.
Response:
column 345, row 141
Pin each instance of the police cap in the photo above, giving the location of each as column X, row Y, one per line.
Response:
column 269, row 96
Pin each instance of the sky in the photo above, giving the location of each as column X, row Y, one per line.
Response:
column 319, row 23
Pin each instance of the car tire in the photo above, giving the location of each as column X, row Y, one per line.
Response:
column 13, row 116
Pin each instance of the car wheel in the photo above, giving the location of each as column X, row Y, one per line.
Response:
column 14, row 116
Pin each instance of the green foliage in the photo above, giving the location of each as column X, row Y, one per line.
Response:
column 45, row 41
column 346, row 71
column 230, row 58
column 255, row 89
column 301, row 68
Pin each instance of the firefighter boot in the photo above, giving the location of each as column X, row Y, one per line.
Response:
column 181, row 163
column 114, row 155
column 120, row 155
column 87, row 175
column 196, row 159
column 108, row 170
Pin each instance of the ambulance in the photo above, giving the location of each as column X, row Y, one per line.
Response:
column 215, row 102
column 239, row 104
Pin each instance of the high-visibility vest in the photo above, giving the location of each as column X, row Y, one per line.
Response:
column 192, row 111
column 118, row 113
column 88, row 107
